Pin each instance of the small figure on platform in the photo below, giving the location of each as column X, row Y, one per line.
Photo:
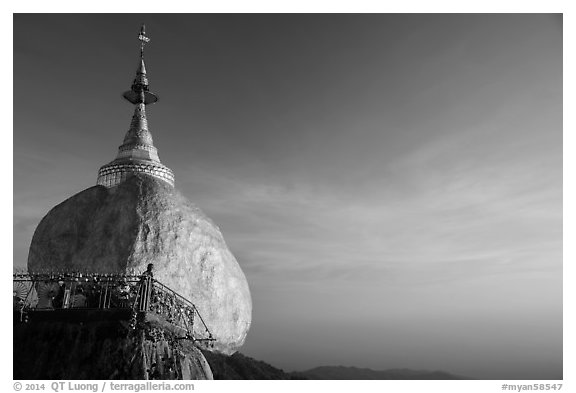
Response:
column 79, row 300
column 145, row 290
column 148, row 272
column 59, row 299
column 124, row 294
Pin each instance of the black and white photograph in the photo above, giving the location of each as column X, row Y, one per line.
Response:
column 288, row 196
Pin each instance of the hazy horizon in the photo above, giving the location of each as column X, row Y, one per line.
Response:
column 390, row 184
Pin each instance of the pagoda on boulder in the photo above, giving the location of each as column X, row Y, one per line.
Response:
column 128, row 279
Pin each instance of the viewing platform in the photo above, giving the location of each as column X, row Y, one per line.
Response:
column 91, row 296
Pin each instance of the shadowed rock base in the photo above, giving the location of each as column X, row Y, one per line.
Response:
column 84, row 345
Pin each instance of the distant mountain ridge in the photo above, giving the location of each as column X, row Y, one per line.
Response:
column 239, row 366
column 355, row 373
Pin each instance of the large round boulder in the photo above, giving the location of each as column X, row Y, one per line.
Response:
column 142, row 221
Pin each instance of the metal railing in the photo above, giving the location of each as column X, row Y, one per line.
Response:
column 139, row 293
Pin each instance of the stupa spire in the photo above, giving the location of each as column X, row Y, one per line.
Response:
column 139, row 92
column 137, row 153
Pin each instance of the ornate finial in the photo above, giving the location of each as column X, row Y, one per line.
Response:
column 143, row 40
column 137, row 154
column 139, row 93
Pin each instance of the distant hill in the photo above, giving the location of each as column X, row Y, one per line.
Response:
column 354, row 373
column 239, row 366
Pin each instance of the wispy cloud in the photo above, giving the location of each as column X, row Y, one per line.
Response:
column 461, row 216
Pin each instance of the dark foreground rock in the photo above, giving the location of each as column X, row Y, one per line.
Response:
column 96, row 344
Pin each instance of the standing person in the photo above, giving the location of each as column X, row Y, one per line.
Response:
column 148, row 271
column 145, row 288
column 123, row 294
column 59, row 299
column 79, row 299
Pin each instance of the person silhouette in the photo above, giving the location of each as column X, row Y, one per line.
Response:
column 148, row 272
column 79, row 300
column 145, row 290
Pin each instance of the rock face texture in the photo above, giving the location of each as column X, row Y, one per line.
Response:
column 144, row 220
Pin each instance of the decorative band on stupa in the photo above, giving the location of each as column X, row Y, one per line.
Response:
column 137, row 153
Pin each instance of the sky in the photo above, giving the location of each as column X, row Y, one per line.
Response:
column 391, row 185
